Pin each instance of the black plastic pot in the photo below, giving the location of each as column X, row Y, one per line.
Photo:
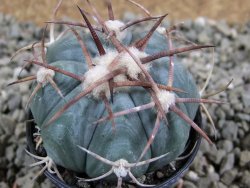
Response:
column 192, row 148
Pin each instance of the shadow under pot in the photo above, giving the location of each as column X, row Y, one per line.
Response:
column 171, row 173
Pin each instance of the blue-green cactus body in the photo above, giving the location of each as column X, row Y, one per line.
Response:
column 75, row 126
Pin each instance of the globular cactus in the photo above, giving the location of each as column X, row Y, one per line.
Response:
column 108, row 100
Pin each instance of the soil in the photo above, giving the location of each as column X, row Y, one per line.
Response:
column 40, row 10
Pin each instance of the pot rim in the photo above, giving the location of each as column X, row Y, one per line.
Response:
column 193, row 147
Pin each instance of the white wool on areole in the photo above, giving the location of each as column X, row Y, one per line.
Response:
column 42, row 73
column 120, row 170
column 102, row 68
column 121, row 78
column 166, row 99
column 105, row 59
column 161, row 30
column 92, row 76
column 115, row 25
column 127, row 61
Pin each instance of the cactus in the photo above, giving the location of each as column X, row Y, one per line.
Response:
column 111, row 102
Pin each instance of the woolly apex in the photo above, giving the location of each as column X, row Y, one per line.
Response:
column 127, row 61
column 102, row 69
column 92, row 76
column 115, row 25
column 166, row 99
column 105, row 59
column 42, row 73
